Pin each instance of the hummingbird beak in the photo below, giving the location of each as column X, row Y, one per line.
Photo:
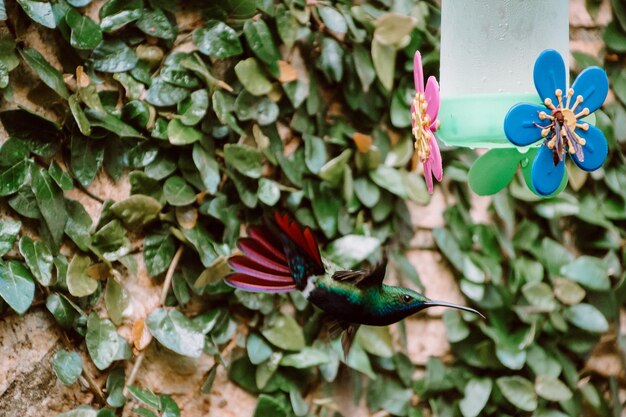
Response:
column 434, row 303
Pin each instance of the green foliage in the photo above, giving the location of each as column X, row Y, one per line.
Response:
column 266, row 109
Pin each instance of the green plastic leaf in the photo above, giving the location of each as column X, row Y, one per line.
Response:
column 48, row 74
column 518, row 391
column 85, row 34
column 217, row 40
column 40, row 12
column 9, row 230
column 588, row 271
column 494, row 170
column 552, row 389
column 586, row 317
column 102, row 340
column 67, row 366
column 176, row 332
column 251, row 75
column 17, row 287
column 282, row 331
column 79, row 283
column 178, row 192
column 38, row 258
column 476, row 395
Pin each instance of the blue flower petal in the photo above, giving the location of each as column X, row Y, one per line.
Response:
column 549, row 74
column 519, row 126
column 593, row 85
column 546, row 177
column 594, row 151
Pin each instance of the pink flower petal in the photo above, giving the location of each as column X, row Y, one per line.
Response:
column 432, row 99
column 428, row 176
column 418, row 72
column 435, row 156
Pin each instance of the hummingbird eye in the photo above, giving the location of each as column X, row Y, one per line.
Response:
column 407, row 298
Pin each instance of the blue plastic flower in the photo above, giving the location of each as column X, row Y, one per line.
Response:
column 557, row 123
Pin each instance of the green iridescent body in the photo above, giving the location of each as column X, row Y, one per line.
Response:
column 373, row 305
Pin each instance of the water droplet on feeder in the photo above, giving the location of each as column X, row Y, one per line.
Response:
column 525, row 162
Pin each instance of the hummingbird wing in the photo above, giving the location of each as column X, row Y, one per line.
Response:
column 346, row 330
column 276, row 258
column 364, row 277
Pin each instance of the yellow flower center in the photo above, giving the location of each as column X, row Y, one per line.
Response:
column 564, row 120
column 421, row 127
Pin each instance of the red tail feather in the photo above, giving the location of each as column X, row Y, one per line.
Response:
column 265, row 266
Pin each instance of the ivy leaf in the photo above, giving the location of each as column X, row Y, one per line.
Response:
column 50, row 202
column 258, row 349
column 476, row 395
column 137, row 210
column 269, row 191
column 86, row 158
column 79, row 283
column 9, row 230
column 384, row 59
column 208, row 167
column 305, row 358
column 518, row 391
column 176, row 332
column 180, row 134
column 158, row 252
column 12, row 179
column 350, row 250
column 67, row 366
column 588, row 271
column 113, row 56
column 155, row 23
column 262, row 44
column 115, row 388
column 331, row 61
column 314, row 153
column 552, row 389
column 251, row 75
column 333, row 19
column 116, row 14
column 146, row 396
column 268, row 406
column 177, row 192
column 48, row 74
column 86, row 34
column 217, row 40
column 40, row 12
column 244, row 159
column 162, row 93
column 78, row 226
column 117, row 301
column 586, row 317
column 194, row 107
column 38, row 258
column 111, row 123
column 103, row 342
column 17, row 286
column 62, row 310
column 282, row 331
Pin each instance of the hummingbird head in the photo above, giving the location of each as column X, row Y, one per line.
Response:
column 404, row 302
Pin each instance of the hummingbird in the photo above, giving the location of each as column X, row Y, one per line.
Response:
column 284, row 256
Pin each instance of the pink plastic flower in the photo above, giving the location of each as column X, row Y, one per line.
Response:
column 424, row 111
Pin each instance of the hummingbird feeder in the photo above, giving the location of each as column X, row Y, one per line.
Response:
column 505, row 87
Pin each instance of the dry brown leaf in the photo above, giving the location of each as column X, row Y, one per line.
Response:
column 287, row 72
column 363, row 142
column 141, row 335
column 82, row 79
column 99, row 271
column 187, row 216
